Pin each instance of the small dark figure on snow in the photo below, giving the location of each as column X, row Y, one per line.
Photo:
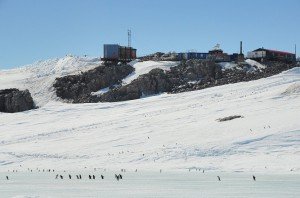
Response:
column 61, row 177
column 79, row 176
column 120, row 176
column 56, row 177
column 219, row 178
column 102, row 177
column 254, row 178
column 117, row 177
column 70, row 177
column 94, row 177
column 90, row 177
column 7, row 178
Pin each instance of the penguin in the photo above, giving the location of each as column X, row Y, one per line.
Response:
column 102, row 177
column 219, row 178
column 254, row 178
column 70, row 177
column 7, row 178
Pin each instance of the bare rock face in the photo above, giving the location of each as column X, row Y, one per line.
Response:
column 187, row 76
column 156, row 81
column 78, row 88
column 14, row 100
column 159, row 81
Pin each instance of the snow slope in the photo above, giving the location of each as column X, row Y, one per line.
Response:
column 40, row 76
column 177, row 131
column 145, row 67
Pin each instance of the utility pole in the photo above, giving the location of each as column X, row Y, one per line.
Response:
column 129, row 38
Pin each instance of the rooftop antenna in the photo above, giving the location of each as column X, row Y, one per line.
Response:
column 129, row 38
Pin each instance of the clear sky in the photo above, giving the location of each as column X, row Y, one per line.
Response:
column 32, row 30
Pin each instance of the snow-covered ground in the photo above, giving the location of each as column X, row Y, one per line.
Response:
column 177, row 131
column 39, row 77
column 252, row 65
column 145, row 67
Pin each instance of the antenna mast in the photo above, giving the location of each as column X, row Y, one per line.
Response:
column 129, row 38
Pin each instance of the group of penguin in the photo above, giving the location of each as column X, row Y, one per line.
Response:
column 253, row 177
column 118, row 177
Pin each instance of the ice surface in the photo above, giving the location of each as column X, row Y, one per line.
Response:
column 150, row 184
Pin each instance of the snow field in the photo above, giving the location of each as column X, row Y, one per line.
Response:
column 177, row 131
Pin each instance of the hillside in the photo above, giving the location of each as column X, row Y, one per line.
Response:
column 39, row 77
column 166, row 131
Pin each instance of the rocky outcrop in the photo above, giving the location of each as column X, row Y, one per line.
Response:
column 187, row 76
column 160, row 56
column 78, row 88
column 158, row 81
column 14, row 100
column 235, row 75
column 229, row 118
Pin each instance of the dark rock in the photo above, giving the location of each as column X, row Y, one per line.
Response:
column 187, row 76
column 154, row 82
column 229, row 118
column 14, row 100
column 160, row 56
column 78, row 88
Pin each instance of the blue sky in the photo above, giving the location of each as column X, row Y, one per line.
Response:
column 35, row 30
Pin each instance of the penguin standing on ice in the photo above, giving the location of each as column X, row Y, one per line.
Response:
column 117, row 177
column 70, row 177
column 219, row 178
column 254, row 178
column 102, row 177
column 7, row 178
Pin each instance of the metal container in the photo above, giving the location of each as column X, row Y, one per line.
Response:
column 256, row 54
column 133, row 53
column 111, row 51
column 122, row 53
column 128, row 53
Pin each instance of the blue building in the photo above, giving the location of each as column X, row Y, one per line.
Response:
column 192, row 55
